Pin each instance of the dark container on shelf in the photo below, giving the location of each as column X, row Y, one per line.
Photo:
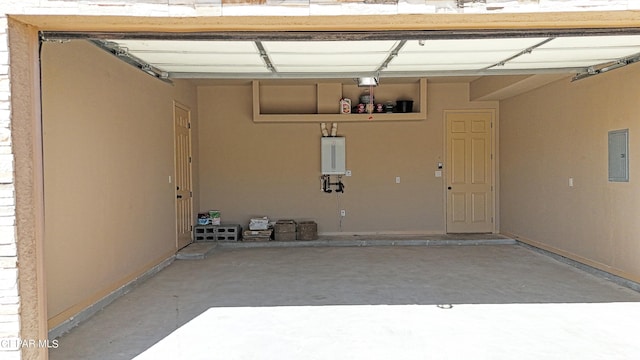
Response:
column 404, row 106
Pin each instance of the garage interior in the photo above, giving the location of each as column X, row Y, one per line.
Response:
column 109, row 156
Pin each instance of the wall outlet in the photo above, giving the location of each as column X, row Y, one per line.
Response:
column 343, row 212
column 348, row 173
column 397, row 179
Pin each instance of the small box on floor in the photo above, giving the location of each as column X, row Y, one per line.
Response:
column 285, row 230
column 259, row 223
column 257, row 235
column 307, row 230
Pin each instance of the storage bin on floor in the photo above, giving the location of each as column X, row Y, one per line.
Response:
column 307, row 230
column 285, row 230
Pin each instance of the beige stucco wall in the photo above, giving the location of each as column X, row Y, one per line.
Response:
column 108, row 155
column 26, row 145
column 560, row 131
column 273, row 169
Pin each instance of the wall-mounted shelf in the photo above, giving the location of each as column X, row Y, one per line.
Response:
column 319, row 101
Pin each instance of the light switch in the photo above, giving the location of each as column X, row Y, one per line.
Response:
column 439, row 165
column 397, row 179
column 347, row 173
column 438, row 173
column 570, row 182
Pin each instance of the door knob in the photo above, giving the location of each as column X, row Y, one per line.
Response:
column 179, row 196
column 449, row 188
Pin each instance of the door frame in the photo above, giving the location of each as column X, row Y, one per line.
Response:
column 177, row 104
column 494, row 164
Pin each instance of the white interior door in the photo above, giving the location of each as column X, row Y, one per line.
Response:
column 470, row 201
column 183, row 173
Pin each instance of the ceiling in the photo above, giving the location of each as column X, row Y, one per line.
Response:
column 495, row 55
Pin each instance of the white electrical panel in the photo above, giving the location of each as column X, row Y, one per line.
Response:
column 333, row 156
column 619, row 155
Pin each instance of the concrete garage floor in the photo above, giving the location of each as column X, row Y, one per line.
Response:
column 391, row 302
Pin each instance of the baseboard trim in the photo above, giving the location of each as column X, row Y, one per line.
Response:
column 360, row 243
column 380, row 233
column 594, row 268
column 92, row 309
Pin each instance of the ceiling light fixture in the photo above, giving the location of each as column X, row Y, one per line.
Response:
column 368, row 81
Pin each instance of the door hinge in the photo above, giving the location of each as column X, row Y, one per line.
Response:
column 191, row 228
column 188, row 125
column 491, row 156
column 492, row 125
column 492, row 219
column 190, row 193
column 189, row 159
column 491, row 187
